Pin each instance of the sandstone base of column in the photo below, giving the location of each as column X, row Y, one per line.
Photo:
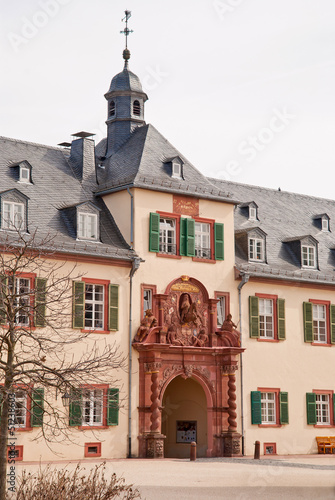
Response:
column 154, row 445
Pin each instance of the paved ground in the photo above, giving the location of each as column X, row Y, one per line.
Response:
column 283, row 478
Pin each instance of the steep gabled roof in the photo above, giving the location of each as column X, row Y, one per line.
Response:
column 56, row 186
column 285, row 217
column 142, row 162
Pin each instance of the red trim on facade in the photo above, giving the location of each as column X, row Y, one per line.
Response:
column 18, row 458
column 105, row 284
column 326, row 303
column 331, row 408
column 274, row 299
column 276, row 391
column 177, row 219
column 87, row 453
column 153, row 289
column 274, row 445
column 104, row 425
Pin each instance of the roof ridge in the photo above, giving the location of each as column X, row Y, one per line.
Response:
column 31, row 143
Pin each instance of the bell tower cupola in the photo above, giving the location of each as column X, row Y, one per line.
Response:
column 125, row 102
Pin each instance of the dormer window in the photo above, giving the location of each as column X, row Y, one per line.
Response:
column 111, row 108
column 13, row 210
column 87, row 227
column 176, row 170
column 137, row 108
column 252, row 213
column 256, row 249
column 308, row 256
column 24, row 174
column 325, row 223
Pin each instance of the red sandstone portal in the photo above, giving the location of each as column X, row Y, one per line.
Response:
column 186, row 343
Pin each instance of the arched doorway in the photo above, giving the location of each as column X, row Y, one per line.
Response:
column 184, row 417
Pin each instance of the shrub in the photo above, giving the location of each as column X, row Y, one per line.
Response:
column 54, row 484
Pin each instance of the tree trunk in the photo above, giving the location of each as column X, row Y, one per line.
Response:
column 3, row 446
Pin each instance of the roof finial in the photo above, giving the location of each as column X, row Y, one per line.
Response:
column 126, row 32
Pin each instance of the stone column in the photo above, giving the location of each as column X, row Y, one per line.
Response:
column 154, row 438
column 231, row 438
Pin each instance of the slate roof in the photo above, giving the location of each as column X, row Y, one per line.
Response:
column 56, row 186
column 142, row 162
column 284, row 217
column 126, row 80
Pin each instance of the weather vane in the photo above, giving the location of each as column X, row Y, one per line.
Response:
column 126, row 31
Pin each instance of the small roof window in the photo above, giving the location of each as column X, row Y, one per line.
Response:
column 250, row 209
column 176, row 166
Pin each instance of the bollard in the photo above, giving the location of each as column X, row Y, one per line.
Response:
column 257, row 450
column 193, row 451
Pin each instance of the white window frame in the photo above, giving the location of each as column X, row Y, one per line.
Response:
column 12, row 215
column 325, row 224
column 94, row 307
column 252, row 213
column 20, row 401
column 147, row 299
column 87, row 224
column 176, row 170
column 221, row 307
column 308, row 256
column 167, row 236
column 92, row 407
column 22, row 296
column 322, row 409
column 256, row 249
column 266, row 318
column 320, row 333
column 268, row 408
column 24, row 179
column 203, row 240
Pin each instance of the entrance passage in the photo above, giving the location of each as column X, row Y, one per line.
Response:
column 184, row 418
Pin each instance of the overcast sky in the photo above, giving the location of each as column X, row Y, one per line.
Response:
column 245, row 89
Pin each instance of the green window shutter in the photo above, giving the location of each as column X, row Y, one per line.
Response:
column 113, row 407
column 283, row 404
column 113, row 320
column 281, row 319
column 311, row 408
column 219, row 241
column 183, row 237
column 40, row 301
column 256, row 407
column 75, row 415
column 78, row 298
column 190, row 230
column 332, row 324
column 154, row 233
column 308, row 321
column 37, row 407
column 253, row 317
column 3, row 287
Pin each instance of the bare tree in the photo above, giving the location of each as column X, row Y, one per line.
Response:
column 38, row 347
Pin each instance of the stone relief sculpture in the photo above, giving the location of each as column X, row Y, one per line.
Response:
column 149, row 321
column 229, row 335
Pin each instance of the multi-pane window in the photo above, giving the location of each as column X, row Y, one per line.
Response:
column 266, row 323
column 167, row 236
column 19, row 290
column 322, row 409
column 92, row 407
column 202, row 240
column 12, row 215
column 147, row 299
column 308, row 256
column 94, row 306
column 221, row 310
column 20, row 402
column 319, row 323
column 256, row 249
column 87, row 226
column 268, row 407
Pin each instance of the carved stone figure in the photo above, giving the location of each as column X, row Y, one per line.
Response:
column 149, row 321
column 201, row 339
column 228, row 325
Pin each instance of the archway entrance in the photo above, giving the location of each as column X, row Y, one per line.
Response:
column 184, row 418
